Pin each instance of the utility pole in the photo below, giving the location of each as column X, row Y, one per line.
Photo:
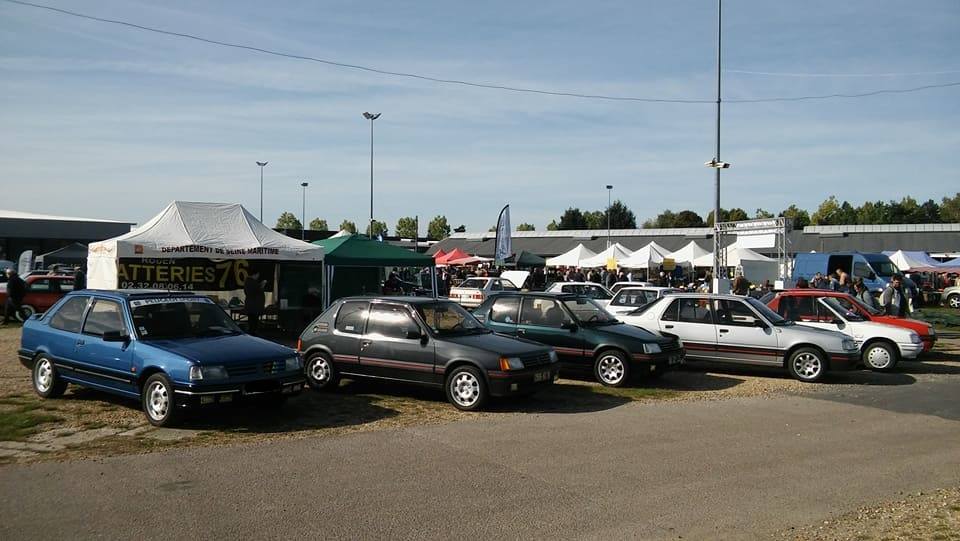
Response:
column 262, row 165
column 371, row 117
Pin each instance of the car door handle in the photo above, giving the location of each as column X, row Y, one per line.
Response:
column 365, row 343
column 521, row 331
column 80, row 342
column 668, row 326
column 724, row 330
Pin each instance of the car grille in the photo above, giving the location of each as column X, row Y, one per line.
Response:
column 673, row 345
column 273, row 367
column 536, row 359
column 242, row 370
column 267, row 368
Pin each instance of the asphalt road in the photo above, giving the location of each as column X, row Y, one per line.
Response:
column 742, row 468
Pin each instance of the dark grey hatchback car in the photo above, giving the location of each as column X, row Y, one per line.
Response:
column 426, row 341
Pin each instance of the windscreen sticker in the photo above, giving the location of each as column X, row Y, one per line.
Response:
column 143, row 331
column 168, row 300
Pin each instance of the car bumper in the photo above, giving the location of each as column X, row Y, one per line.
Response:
column 221, row 393
column 928, row 342
column 659, row 362
column 524, row 381
column 844, row 361
column 910, row 351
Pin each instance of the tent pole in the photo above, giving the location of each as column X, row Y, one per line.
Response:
column 433, row 281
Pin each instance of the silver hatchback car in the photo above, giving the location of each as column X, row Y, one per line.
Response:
column 742, row 330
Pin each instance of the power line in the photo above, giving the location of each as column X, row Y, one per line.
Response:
column 491, row 86
column 793, row 74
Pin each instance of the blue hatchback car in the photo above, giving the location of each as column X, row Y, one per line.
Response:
column 170, row 350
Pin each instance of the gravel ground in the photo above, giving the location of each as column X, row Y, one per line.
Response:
column 921, row 516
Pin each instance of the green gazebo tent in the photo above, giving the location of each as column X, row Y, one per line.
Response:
column 359, row 260
column 525, row 259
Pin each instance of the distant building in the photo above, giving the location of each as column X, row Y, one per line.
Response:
column 21, row 231
column 933, row 238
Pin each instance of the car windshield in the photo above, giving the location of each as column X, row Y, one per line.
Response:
column 447, row 318
column 588, row 312
column 767, row 313
column 473, row 283
column 164, row 319
column 884, row 268
column 843, row 307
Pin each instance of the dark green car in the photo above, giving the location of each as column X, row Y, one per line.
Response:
column 585, row 337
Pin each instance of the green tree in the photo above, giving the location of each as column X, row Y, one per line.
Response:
column 572, row 218
column 406, row 227
column 377, row 228
column 621, row 217
column 687, row 218
column 950, row 209
column 737, row 214
column 526, row 227
column 288, row 220
column 799, row 216
column 552, row 226
column 828, row 213
column 596, row 219
column 439, row 229
column 663, row 220
column 317, row 224
column 460, row 229
column 873, row 213
column 762, row 214
column 348, row 226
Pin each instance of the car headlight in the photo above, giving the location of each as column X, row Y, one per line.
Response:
column 915, row 338
column 931, row 331
column 650, row 349
column 553, row 356
column 849, row 345
column 511, row 363
column 292, row 363
column 198, row 373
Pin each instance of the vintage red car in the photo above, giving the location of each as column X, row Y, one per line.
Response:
column 922, row 328
column 43, row 291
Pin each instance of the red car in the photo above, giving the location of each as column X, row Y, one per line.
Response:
column 43, row 291
column 922, row 328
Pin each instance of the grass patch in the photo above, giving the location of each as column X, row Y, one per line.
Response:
column 23, row 421
column 939, row 316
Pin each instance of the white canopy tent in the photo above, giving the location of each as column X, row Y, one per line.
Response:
column 616, row 251
column 186, row 230
column 650, row 255
column 690, row 255
column 914, row 261
column 571, row 258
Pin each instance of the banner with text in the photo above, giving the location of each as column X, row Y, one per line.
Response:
column 190, row 274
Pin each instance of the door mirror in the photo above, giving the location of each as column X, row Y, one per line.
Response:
column 414, row 334
column 115, row 336
column 872, row 275
column 838, row 322
column 759, row 323
column 572, row 327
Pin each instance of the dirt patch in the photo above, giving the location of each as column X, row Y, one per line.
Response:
column 921, row 516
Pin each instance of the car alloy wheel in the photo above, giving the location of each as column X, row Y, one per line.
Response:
column 807, row 366
column 953, row 301
column 880, row 357
column 610, row 369
column 466, row 389
column 319, row 370
column 43, row 375
column 25, row 312
column 158, row 401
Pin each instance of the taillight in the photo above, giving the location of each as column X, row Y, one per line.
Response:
column 299, row 344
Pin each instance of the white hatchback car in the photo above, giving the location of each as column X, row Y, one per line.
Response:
column 473, row 291
column 882, row 345
column 590, row 290
column 742, row 330
column 620, row 285
column 629, row 299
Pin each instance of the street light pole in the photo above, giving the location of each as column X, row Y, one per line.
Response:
column 371, row 117
column 716, row 159
column 262, row 165
column 303, row 224
column 609, row 190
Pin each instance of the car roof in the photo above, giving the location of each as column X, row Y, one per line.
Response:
column 812, row 292
column 130, row 294
column 551, row 294
column 396, row 298
column 727, row 296
column 646, row 288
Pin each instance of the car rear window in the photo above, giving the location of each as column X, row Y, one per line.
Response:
column 70, row 314
column 351, row 317
column 473, row 283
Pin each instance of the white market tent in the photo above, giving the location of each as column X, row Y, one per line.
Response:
column 690, row 255
column 616, row 251
column 914, row 261
column 571, row 258
column 195, row 230
column 650, row 255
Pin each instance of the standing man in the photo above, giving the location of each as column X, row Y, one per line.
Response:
column 16, row 289
column 844, row 280
column 893, row 300
column 79, row 278
column 253, row 304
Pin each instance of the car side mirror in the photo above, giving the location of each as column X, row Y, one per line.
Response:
column 572, row 327
column 759, row 323
column 872, row 276
column 414, row 334
column 838, row 322
column 115, row 336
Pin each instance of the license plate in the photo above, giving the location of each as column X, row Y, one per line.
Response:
column 541, row 376
column 674, row 359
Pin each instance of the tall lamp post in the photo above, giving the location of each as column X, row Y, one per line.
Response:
column 371, row 117
column 262, row 165
column 303, row 224
column 609, row 191
column 717, row 164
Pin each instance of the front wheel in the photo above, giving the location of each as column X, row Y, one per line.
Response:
column 466, row 388
column 953, row 301
column 807, row 364
column 612, row 369
column 25, row 312
column 159, row 401
column 880, row 357
column 46, row 382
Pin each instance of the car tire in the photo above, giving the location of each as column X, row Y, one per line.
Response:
column 466, row 389
column 611, row 368
column 159, row 401
column 25, row 312
column 953, row 301
column 880, row 357
column 320, row 372
column 807, row 365
column 46, row 381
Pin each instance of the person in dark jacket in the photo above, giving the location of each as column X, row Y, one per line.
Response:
column 16, row 290
column 863, row 294
column 893, row 299
column 79, row 278
column 255, row 299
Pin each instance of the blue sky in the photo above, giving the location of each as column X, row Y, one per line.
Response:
column 109, row 122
